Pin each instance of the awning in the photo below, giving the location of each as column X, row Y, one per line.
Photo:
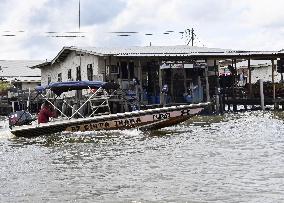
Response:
column 59, row 87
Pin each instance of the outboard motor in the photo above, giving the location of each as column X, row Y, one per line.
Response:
column 19, row 118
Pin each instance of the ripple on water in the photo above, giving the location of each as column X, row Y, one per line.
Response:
column 231, row 158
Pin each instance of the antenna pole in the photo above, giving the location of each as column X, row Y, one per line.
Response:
column 79, row 15
column 192, row 36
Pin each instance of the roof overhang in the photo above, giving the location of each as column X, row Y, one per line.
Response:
column 166, row 53
column 41, row 65
column 218, row 56
column 65, row 51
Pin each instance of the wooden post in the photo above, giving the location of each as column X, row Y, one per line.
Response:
column 120, row 84
column 172, row 85
column 219, row 103
column 161, row 86
column 207, row 85
column 109, row 69
column 234, row 85
column 128, row 73
column 199, row 89
column 273, row 84
column 184, row 80
column 261, row 94
column 120, row 74
column 105, row 73
column 250, row 85
column 140, row 80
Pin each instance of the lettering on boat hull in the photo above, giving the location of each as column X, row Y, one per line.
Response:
column 161, row 116
column 132, row 122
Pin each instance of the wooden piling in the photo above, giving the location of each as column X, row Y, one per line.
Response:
column 184, row 80
column 234, row 64
column 172, row 85
column 219, row 100
column 217, row 104
column 207, row 85
column 273, row 84
column 199, row 89
column 261, row 94
column 120, row 74
column 128, row 73
column 140, row 82
column 161, row 86
column 250, row 85
column 109, row 76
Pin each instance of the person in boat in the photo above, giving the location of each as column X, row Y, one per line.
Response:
column 46, row 112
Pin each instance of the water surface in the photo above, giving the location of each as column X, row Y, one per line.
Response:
column 230, row 158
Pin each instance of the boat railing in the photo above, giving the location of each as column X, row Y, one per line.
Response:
column 96, row 99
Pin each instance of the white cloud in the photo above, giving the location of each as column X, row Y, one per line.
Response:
column 242, row 24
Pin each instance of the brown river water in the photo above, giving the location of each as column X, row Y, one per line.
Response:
column 230, row 158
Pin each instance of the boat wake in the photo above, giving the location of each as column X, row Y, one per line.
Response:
column 127, row 132
column 6, row 134
column 4, row 130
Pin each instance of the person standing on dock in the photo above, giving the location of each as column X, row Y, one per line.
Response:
column 46, row 112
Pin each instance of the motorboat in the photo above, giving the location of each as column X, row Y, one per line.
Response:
column 97, row 98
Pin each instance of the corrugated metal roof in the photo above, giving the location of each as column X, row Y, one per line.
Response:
column 151, row 50
column 19, row 68
column 164, row 51
column 179, row 51
column 24, row 79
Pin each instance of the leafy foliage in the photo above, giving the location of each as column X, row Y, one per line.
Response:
column 4, row 86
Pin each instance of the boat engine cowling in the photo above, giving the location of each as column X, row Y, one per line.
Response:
column 19, row 118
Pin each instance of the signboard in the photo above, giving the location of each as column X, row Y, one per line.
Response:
column 175, row 65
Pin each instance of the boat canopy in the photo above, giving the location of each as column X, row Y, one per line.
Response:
column 59, row 87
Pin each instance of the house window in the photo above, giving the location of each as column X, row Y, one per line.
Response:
column 78, row 73
column 59, row 77
column 90, row 72
column 69, row 74
column 48, row 79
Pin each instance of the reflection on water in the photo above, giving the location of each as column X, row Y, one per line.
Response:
column 230, row 158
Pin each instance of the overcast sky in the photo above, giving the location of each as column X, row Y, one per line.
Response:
column 234, row 24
